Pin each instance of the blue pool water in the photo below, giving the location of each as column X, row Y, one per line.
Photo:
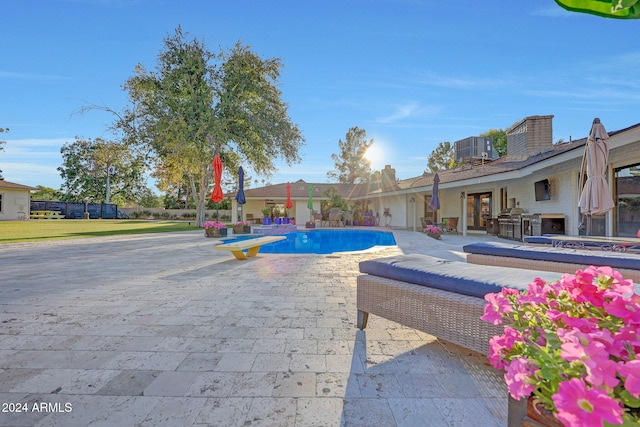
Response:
column 325, row 241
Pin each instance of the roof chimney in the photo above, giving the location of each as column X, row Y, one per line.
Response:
column 531, row 135
column 388, row 177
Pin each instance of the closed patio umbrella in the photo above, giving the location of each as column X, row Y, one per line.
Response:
column 240, row 197
column 310, row 202
column 434, row 203
column 595, row 198
column 289, row 203
column 217, row 195
column 629, row 9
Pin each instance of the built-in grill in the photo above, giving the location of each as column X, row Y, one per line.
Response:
column 515, row 224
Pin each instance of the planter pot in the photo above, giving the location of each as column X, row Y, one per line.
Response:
column 266, row 221
column 278, row 221
column 285, row 220
column 356, row 223
column 293, row 221
column 432, row 234
column 214, row 232
column 524, row 413
column 368, row 223
column 310, row 224
column 241, row 229
column 538, row 416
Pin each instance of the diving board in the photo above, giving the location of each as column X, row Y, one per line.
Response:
column 251, row 245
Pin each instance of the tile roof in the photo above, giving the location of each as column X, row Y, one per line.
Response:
column 14, row 186
column 299, row 190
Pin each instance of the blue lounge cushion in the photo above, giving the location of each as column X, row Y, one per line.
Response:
column 566, row 255
column 537, row 240
column 453, row 276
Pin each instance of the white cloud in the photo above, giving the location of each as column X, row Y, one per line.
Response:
column 409, row 110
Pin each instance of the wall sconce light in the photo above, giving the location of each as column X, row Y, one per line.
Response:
column 462, row 194
column 412, row 200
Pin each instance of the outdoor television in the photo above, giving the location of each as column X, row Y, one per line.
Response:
column 542, row 190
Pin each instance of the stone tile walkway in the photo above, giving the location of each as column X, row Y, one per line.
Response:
column 160, row 330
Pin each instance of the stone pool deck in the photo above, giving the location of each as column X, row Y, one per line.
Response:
column 160, row 330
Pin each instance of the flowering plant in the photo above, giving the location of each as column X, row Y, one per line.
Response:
column 432, row 229
column 573, row 345
column 241, row 224
column 214, row 224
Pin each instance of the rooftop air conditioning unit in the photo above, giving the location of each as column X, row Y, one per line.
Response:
column 474, row 147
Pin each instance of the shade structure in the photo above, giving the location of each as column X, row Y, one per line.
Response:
column 622, row 9
column 434, row 203
column 595, row 198
column 310, row 202
column 289, row 203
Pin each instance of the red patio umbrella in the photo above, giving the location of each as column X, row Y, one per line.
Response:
column 289, row 203
column 217, row 195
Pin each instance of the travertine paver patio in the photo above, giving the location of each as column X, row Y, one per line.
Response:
column 160, row 330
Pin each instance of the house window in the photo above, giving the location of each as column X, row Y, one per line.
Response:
column 627, row 194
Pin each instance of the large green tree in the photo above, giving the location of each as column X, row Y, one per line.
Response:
column 86, row 163
column 197, row 105
column 351, row 165
column 2, row 130
column 443, row 157
column 499, row 140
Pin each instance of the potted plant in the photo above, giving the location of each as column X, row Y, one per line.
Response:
column 285, row 218
column 215, row 229
column 241, row 228
column 571, row 347
column 276, row 216
column 433, row 231
column 266, row 216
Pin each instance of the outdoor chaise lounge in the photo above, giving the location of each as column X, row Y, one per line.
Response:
column 442, row 298
column 548, row 258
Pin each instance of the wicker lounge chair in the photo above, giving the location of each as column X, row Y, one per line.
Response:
column 442, row 298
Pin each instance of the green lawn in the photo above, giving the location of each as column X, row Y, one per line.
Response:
column 59, row 229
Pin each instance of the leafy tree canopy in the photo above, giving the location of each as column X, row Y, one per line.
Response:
column 499, row 140
column 2, row 130
column 85, row 166
column 46, row 193
column 351, row 165
column 443, row 157
column 198, row 104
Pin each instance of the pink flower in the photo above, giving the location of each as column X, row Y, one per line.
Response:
column 500, row 345
column 631, row 372
column 601, row 370
column 579, row 406
column 498, row 304
column 517, row 376
column 627, row 309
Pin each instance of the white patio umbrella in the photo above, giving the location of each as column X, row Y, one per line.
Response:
column 596, row 198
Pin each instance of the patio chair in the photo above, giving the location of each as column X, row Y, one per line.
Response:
column 347, row 217
column 451, row 226
column 335, row 217
column 425, row 222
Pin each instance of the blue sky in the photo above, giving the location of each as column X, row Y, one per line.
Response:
column 412, row 73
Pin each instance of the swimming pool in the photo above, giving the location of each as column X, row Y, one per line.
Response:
column 325, row 241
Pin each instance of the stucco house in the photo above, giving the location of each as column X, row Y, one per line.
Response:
column 15, row 200
column 483, row 192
